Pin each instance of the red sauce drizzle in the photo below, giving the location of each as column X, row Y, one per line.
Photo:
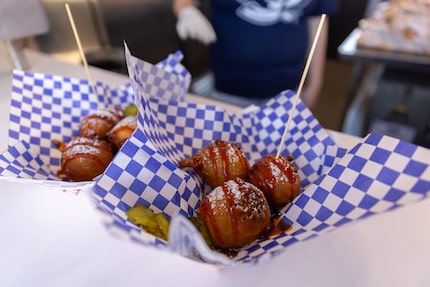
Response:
column 229, row 198
column 207, row 211
column 224, row 159
column 277, row 226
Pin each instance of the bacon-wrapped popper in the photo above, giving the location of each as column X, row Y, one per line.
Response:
column 218, row 162
column 235, row 213
column 277, row 178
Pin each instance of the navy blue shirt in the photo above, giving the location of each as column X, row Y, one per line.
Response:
column 262, row 45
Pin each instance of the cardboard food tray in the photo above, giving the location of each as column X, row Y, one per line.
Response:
column 339, row 186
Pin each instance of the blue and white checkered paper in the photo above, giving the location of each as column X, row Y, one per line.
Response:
column 339, row 186
column 45, row 108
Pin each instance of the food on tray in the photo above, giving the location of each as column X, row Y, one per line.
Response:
column 218, row 162
column 235, row 213
column 122, row 131
column 97, row 124
column 277, row 178
column 398, row 26
column 84, row 158
column 156, row 224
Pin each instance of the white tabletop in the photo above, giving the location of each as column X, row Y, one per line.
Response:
column 50, row 238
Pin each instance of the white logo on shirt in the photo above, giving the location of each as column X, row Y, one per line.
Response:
column 286, row 11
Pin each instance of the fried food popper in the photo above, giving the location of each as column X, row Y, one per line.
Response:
column 218, row 162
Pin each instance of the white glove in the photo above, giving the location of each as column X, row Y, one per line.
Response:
column 193, row 24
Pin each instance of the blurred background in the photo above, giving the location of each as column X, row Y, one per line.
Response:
column 360, row 94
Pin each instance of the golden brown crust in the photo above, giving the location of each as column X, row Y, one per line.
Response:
column 99, row 123
column 85, row 158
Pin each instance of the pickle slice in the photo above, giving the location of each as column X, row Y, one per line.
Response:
column 157, row 224
column 201, row 227
column 130, row 110
column 163, row 223
column 147, row 220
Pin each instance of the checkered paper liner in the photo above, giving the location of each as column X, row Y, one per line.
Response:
column 339, row 186
column 45, row 108
column 49, row 107
column 378, row 175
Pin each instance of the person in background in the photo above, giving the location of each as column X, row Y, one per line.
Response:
column 258, row 48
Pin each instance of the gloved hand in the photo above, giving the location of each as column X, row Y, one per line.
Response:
column 192, row 24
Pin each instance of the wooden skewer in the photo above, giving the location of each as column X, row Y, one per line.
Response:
column 81, row 50
column 302, row 81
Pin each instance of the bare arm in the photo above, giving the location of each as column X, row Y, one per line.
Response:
column 179, row 4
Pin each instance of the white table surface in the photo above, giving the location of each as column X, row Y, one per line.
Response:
column 52, row 238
